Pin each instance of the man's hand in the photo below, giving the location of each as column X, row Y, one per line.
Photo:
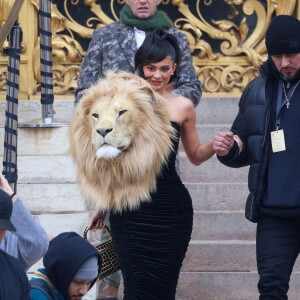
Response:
column 5, row 187
column 223, row 142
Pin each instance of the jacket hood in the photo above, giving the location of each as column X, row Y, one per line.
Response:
column 66, row 254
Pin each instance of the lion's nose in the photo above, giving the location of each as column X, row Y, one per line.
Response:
column 104, row 131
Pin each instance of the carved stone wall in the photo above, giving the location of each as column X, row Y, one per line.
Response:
column 226, row 39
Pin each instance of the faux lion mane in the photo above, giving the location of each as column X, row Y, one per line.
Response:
column 127, row 180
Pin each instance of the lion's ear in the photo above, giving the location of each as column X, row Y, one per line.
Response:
column 148, row 90
column 157, row 98
column 85, row 105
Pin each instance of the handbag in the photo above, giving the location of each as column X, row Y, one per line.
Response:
column 110, row 263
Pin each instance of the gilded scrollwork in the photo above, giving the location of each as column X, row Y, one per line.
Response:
column 65, row 78
column 236, row 41
column 230, row 79
column 3, row 80
column 227, row 44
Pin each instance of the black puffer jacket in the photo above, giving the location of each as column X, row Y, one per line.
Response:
column 252, row 126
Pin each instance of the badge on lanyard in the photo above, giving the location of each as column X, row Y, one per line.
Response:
column 277, row 136
column 277, row 140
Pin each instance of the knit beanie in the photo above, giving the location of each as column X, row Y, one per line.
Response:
column 88, row 270
column 283, row 35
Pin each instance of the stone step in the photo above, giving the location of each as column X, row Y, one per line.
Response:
column 66, row 197
column 208, row 226
column 216, row 110
column 226, row 286
column 211, row 226
column 29, row 110
column 211, row 171
column 208, row 132
column 218, row 196
column 46, row 169
column 214, row 226
column 222, row 256
column 218, row 286
column 40, row 141
column 52, row 198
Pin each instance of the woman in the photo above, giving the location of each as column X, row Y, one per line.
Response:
column 151, row 242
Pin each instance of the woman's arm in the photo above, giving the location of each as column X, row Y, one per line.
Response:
column 196, row 152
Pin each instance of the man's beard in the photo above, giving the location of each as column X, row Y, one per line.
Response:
column 290, row 77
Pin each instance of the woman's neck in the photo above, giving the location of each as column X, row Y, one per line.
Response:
column 164, row 91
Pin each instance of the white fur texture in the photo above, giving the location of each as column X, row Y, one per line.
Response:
column 108, row 152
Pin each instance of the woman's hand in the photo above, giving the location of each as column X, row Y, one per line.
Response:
column 96, row 220
column 223, row 142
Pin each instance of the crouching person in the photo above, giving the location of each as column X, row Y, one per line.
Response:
column 72, row 266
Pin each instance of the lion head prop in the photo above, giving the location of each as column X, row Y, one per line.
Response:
column 120, row 136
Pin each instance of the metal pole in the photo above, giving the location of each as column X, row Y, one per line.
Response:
column 47, row 98
column 46, row 61
column 11, row 112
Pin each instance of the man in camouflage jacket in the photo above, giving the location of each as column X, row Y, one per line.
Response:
column 114, row 47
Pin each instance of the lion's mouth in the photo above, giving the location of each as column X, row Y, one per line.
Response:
column 119, row 148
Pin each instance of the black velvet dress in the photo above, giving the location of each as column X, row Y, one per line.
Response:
column 151, row 242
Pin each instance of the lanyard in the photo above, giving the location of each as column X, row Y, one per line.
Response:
column 281, row 102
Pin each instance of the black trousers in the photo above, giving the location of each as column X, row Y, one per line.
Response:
column 277, row 248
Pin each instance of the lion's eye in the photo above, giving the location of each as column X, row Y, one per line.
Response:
column 96, row 116
column 122, row 112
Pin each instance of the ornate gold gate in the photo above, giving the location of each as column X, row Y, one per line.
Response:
column 226, row 39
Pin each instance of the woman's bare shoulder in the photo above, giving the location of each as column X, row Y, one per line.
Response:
column 181, row 101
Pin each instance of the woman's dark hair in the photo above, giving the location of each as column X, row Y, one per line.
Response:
column 156, row 47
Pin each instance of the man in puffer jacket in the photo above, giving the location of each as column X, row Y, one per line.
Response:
column 266, row 136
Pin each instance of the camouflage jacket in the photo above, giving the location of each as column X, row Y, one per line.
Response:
column 114, row 47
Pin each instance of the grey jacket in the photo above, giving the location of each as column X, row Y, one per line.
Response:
column 114, row 47
column 29, row 243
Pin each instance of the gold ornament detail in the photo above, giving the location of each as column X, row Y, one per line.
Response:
column 3, row 80
column 240, row 54
column 226, row 52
